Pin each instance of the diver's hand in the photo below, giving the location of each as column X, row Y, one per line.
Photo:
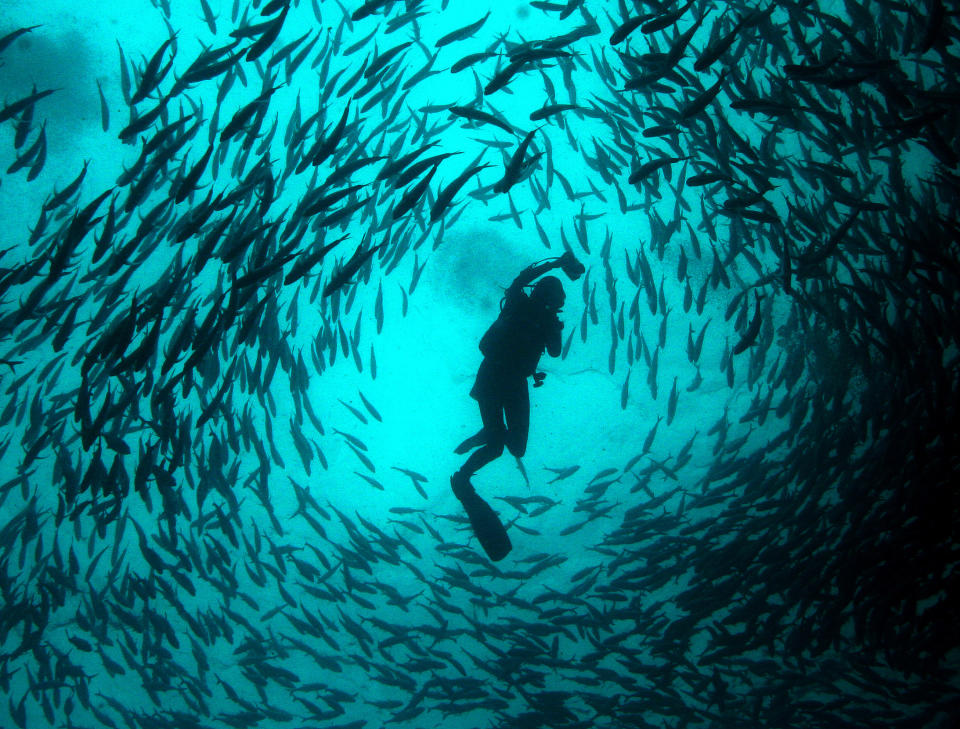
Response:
column 571, row 266
column 538, row 378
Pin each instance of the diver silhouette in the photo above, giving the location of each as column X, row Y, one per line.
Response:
column 511, row 348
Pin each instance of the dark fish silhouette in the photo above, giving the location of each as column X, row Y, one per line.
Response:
column 346, row 272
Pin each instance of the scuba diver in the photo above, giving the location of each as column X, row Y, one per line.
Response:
column 511, row 347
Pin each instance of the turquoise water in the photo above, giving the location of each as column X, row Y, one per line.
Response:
column 225, row 469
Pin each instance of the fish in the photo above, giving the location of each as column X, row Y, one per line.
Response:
column 719, row 45
column 383, row 59
column 750, row 333
column 694, row 347
column 665, row 20
column 32, row 154
column 143, row 122
column 152, row 75
column 104, row 109
column 563, row 473
column 11, row 110
column 480, row 115
column 644, row 170
column 370, row 408
column 445, row 196
column 625, row 390
column 550, row 110
column 502, row 77
column 325, row 146
column 701, row 101
column 672, row 402
column 622, row 31
column 470, row 60
column 283, row 53
column 9, row 38
column 413, row 195
column 266, row 32
column 516, row 164
column 345, row 272
column 208, row 17
column 369, row 7
column 189, row 182
column 395, row 166
column 417, row 168
column 60, row 198
column 463, row 33
column 246, row 113
column 209, row 65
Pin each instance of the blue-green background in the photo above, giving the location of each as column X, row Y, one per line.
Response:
column 766, row 581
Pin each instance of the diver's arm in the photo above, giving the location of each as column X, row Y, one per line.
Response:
column 534, row 271
column 568, row 262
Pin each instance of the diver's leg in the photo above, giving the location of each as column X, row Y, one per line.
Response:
column 491, row 412
column 484, row 390
column 517, row 408
column 474, row 441
column 487, row 527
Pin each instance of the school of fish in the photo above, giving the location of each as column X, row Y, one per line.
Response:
column 794, row 563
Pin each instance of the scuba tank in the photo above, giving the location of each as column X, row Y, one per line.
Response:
column 493, row 340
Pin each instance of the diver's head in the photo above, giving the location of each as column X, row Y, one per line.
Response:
column 548, row 292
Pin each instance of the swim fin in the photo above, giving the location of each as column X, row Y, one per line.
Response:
column 484, row 520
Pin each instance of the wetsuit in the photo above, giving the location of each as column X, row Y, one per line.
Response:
column 511, row 348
